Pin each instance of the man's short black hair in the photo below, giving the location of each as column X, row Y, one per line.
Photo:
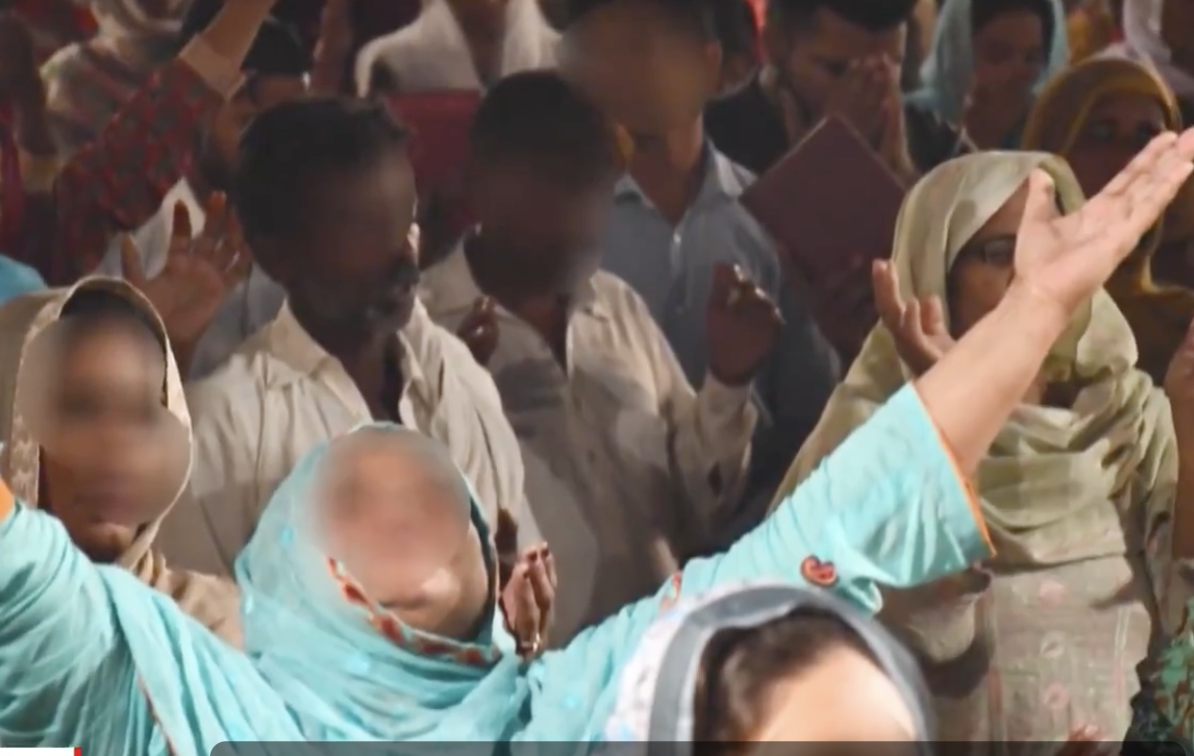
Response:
column 872, row 15
column 695, row 16
column 540, row 118
column 285, row 151
column 278, row 49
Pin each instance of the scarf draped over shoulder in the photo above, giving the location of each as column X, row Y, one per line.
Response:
column 211, row 601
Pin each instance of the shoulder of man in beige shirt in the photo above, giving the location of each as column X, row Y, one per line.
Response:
column 281, row 394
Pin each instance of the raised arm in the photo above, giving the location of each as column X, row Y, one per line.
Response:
column 117, row 182
column 66, row 674
column 902, row 474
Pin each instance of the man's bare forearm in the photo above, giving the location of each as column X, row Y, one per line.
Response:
column 973, row 389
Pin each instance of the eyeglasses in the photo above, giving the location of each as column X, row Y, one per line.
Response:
column 998, row 252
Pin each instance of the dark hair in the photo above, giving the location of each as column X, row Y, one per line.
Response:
column 277, row 50
column 694, row 16
column 538, row 118
column 872, row 15
column 983, row 12
column 289, row 147
column 739, row 666
column 737, row 27
column 89, row 308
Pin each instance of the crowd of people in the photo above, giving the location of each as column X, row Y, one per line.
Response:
column 298, row 446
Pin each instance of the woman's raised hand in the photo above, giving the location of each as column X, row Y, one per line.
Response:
column 1064, row 259
column 528, row 599
column 917, row 325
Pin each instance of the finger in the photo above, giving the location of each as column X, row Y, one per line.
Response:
column 1139, row 165
column 130, row 261
column 242, row 265
column 216, row 223
column 485, row 307
column 544, row 591
column 1040, row 206
column 724, row 286
column 932, row 316
column 886, row 285
column 180, row 230
column 529, row 616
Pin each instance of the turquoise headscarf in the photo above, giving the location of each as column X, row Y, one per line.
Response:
column 17, row 279
column 947, row 72
column 342, row 678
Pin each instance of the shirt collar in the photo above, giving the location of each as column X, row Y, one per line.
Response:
column 722, row 180
column 289, row 342
column 449, row 289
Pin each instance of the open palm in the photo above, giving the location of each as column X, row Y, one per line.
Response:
column 198, row 273
column 1066, row 258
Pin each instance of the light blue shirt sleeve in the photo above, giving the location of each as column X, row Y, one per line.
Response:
column 67, row 677
column 887, row 507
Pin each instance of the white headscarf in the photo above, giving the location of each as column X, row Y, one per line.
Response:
column 1142, row 40
column 657, row 687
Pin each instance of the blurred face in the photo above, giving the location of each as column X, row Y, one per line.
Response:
column 351, row 262
column 837, row 688
column 404, row 535
column 983, row 270
column 218, row 152
column 812, row 60
column 649, row 73
column 547, row 226
column 111, row 450
column 1117, row 127
column 1009, row 54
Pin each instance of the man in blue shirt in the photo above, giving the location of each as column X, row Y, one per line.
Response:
column 653, row 65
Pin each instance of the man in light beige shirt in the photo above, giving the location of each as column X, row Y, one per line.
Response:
column 326, row 197
column 628, row 469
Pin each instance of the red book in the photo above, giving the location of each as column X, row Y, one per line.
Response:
column 830, row 203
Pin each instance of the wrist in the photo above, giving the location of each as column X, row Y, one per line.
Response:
column 1041, row 318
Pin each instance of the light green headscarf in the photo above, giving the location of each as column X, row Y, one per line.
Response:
column 1057, row 480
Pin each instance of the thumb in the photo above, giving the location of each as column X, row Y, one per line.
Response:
column 130, row 261
column 1040, row 206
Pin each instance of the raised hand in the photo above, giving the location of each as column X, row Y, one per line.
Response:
column 479, row 330
column 742, row 324
column 1064, row 259
column 529, row 598
column 917, row 326
column 198, row 274
column 860, row 94
column 333, row 48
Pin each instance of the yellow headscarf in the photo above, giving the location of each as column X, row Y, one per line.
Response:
column 1056, row 481
column 1159, row 314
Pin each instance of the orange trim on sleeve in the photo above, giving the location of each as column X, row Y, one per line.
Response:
column 971, row 495
column 6, row 500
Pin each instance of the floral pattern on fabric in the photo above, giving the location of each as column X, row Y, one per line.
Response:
column 399, row 634
column 1163, row 711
